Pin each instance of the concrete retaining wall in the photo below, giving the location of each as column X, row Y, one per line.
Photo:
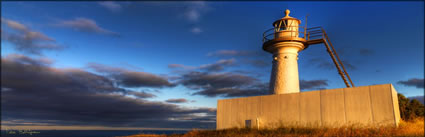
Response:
column 376, row 104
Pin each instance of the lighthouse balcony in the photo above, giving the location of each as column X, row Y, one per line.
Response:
column 284, row 34
column 308, row 36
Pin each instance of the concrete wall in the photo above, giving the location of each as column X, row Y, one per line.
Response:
column 376, row 104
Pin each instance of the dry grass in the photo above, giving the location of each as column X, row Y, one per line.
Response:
column 409, row 128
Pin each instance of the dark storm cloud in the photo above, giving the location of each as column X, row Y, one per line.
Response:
column 313, row 84
column 86, row 25
column 25, row 39
column 222, row 84
column 414, row 82
column 130, row 78
column 76, row 97
column 176, row 100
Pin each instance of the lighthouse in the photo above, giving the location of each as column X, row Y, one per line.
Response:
column 285, row 45
column 286, row 106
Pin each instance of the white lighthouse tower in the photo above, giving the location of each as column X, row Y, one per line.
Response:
column 285, row 46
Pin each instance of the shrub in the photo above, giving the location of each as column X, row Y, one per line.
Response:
column 410, row 109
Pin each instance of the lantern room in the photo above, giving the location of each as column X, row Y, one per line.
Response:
column 286, row 29
column 286, row 26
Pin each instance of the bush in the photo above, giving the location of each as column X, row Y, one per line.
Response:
column 410, row 109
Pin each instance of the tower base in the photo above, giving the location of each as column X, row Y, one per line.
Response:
column 368, row 105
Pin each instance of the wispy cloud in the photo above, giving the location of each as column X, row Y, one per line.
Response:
column 258, row 59
column 193, row 13
column 141, row 94
column 233, row 53
column 414, row 82
column 177, row 100
column 259, row 63
column 328, row 64
column 42, row 61
column 218, row 66
column 313, row 84
column 130, row 78
column 366, row 52
column 86, row 25
column 213, row 67
column 196, row 30
column 223, row 84
column 27, row 40
column 111, row 5
column 195, row 9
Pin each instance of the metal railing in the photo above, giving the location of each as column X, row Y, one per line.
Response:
column 318, row 33
column 314, row 33
column 307, row 34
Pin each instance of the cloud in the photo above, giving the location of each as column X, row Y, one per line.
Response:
column 130, row 78
column 328, row 64
column 231, row 92
column 253, row 58
column 180, row 66
column 198, row 80
column 196, row 30
column 195, row 9
column 27, row 60
column 45, row 95
column 218, row 66
column 177, row 100
column 27, row 40
column 222, row 84
column 366, row 52
column 259, row 63
column 193, row 15
column 414, row 82
column 110, row 5
column 86, row 25
column 231, row 53
column 348, row 65
column 141, row 94
column 214, row 67
column 313, row 84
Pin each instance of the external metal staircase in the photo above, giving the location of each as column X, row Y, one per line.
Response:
column 317, row 35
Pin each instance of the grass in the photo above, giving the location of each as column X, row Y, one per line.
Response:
column 405, row 129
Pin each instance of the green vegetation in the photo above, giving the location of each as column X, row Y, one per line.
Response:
column 410, row 109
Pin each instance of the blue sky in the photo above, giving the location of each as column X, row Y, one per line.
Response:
column 171, row 46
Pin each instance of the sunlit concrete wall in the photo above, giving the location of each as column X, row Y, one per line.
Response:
column 369, row 105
